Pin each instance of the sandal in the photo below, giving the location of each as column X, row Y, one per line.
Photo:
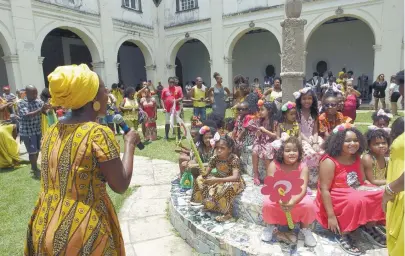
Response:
column 375, row 236
column 223, row 218
column 347, row 244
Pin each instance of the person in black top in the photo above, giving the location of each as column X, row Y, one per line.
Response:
column 379, row 87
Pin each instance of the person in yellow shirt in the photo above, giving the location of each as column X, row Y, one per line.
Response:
column 199, row 98
column 118, row 92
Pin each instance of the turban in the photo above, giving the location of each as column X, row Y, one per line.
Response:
column 73, row 86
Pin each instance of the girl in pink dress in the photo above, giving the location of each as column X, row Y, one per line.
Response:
column 288, row 159
column 345, row 201
column 148, row 104
column 307, row 116
column 265, row 135
column 350, row 104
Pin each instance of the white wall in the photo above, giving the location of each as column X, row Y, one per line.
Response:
column 172, row 17
column 345, row 44
column 90, row 6
column 3, row 71
column 194, row 59
column 127, row 15
column 235, row 6
column 132, row 65
column 253, row 53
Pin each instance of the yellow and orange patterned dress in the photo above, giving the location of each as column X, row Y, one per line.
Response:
column 74, row 214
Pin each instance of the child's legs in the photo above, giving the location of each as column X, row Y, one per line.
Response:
column 183, row 158
column 304, row 212
column 272, row 213
column 255, row 163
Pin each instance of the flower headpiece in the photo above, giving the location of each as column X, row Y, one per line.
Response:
column 300, row 92
column 287, row 106
column 342, row 127
column 204, row 130
column 373, row 128
column 381, row 112
column 215, row 139
column 260, row 103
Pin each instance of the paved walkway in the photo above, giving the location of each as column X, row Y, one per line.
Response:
column 144, row 216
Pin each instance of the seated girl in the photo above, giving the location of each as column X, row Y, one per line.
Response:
column 307, row 113
column 288, row 125
column 265, row 135
column 217, row 191
column 288, row 159
column 342, row 203
column 331, row 117
column 381, row 118
column 375, row 161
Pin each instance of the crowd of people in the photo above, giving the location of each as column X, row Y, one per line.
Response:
column 316, row 132
column 71, row 124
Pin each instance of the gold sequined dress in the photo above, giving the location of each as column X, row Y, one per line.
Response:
column 74, row 214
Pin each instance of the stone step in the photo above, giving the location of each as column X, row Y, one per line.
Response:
column 240, row 237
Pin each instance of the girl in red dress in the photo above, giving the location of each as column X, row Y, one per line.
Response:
column 345, row 202
column 148, row 104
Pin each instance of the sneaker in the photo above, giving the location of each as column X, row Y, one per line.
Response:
column 176, row 181
column 309, row 239
column 267, row 234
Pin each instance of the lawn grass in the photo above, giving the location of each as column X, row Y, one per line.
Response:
column 365, row 117
column 19, row 192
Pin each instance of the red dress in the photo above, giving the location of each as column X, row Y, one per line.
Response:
column 149, row 106
column 350, row 107
column 352, row 207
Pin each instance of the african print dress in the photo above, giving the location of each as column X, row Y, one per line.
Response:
column 219, row 197
column 74, row 214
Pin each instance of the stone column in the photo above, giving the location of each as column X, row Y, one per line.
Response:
column 41, row 69
column 170, row 71
column 217, row 46
column 13, row 72
column 378, row 66
column 292, row 55
column 228, row 75
column 151, row 73
column 98, row 67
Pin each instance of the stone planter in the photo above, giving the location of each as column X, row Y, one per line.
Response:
column 293, row 8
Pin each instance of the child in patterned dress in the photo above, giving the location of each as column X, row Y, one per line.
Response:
column 265, row 135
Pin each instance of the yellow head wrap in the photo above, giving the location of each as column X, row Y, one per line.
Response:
column 73, row 86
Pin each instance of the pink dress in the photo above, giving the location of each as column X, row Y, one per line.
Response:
column 350, row 107
column 262, row 145
column 149, row 106
column 303, row 211
column 311, row 157
column 352, row 207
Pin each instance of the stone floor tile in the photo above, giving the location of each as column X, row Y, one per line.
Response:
column 166, row 246
column 149, row 228
column 153, row 192
column 141, row 208
column 142, row 180
column 130, row 250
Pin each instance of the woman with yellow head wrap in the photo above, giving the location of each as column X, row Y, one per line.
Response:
column 9, row 148
column 79, row 156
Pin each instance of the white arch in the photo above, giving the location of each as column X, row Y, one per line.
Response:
column 241, row 31
column 85, row 34
column 6, row 40
column 142, row 44
column 178, row 43
column 362, row 15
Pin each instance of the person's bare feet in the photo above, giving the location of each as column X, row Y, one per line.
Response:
column 223, row 218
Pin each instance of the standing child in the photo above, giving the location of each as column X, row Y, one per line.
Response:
column 217, row 191
column 375, row 161
column 288, row 159
column 381, row 118
column 350, row 103
column 148, row 104
column 307, row 113
column 130, row 107
column 265, row 135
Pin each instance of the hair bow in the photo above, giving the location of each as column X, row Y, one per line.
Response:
column 381, row 112
column 342, row 127
column 300, row 92
column 373, row 128
column 287, row 106
column 277, row 143
column 204, row 130
column 215, row 139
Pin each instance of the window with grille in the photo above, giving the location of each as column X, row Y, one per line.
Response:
column 184, row 5
column 132, row 4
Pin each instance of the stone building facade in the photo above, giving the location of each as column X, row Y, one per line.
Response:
column 133, row 40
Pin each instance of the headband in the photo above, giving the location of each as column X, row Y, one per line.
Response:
column 287, row 106
column 215, row 139
column 204, row 130
column 374, row 128
column 299, row 93
column 342, row 127
column 381, row 112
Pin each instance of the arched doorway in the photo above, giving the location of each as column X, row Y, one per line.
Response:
column 194, row 60
column 3, row 70
column 63, row 47
column 256, row 54
column 344, row 42
column 131, row 69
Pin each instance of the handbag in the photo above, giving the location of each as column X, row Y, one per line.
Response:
column 187, row 180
